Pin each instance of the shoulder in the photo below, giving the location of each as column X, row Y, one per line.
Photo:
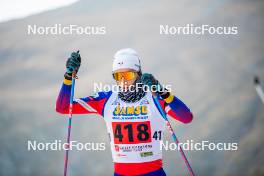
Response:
column 101, row 95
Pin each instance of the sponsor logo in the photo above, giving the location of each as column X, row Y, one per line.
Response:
column 144, row 101
column 130, row 111
column 146, row 154
column 135, row 148
column 121, row 155
column 116, row 148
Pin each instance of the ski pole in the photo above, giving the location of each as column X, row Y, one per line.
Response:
column 259, row 89
column 174, row 137
column 69, row 123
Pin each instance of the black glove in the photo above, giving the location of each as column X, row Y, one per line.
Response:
column 73, row 64
column 149, row 80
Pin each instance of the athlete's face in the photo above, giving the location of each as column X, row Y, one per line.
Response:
column 126, row 82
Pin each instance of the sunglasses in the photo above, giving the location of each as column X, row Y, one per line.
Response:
column 128, row 75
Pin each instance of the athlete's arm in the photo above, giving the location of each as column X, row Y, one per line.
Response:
column 86, row 105
column 176, row 108
column 171, row 104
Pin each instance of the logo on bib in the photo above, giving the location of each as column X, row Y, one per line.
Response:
column 144, row 101
column 130, row 111
column 145, row 154
column 116, row 148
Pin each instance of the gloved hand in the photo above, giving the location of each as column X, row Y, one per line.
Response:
column 149, row 80
column 73, row 64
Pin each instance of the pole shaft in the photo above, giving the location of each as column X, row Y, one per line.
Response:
column 69, row 125
column 260, row 92
column 174, row 137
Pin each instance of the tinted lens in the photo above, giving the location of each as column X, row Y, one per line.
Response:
column 126, row 75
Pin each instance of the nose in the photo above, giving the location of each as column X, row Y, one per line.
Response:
column 123, row 82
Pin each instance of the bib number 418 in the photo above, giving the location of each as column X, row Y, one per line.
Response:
column 131, row 132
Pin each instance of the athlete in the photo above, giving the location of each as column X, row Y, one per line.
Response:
column 133, row 121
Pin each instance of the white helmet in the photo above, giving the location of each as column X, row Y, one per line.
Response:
column 126, row 58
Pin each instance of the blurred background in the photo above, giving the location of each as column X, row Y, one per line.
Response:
column 212, row 74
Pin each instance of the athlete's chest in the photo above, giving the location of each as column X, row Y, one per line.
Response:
column 142, row 110
column 132, row 116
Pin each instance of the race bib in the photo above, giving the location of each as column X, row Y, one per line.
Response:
column 131, row 132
